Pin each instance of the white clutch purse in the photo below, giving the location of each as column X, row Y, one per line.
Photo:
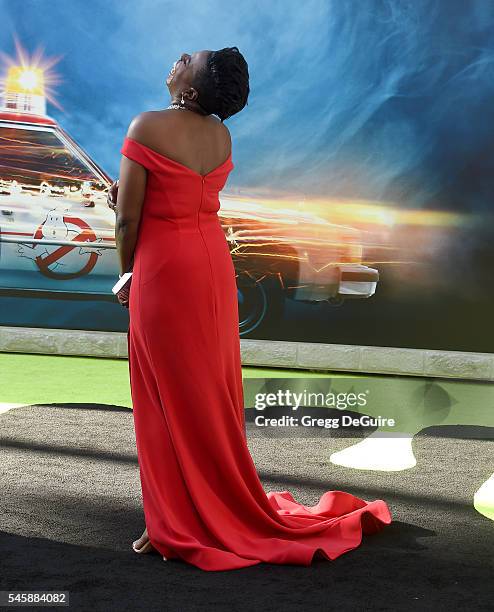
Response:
column 122, row 281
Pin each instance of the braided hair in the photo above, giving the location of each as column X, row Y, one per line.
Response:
column 223, row 84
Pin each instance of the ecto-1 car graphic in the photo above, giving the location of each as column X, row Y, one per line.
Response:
column 57, row 236
column 57, row 241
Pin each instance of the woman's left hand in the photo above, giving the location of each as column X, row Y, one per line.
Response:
column 111, row 196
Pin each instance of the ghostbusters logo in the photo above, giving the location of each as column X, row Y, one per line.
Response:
column 65, row 261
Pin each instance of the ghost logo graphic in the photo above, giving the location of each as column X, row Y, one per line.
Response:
column 65, row 261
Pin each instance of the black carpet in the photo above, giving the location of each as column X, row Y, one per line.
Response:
column 71, row 507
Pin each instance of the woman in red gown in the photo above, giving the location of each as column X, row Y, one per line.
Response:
column 202, row 498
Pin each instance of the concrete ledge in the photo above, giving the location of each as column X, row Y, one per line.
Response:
column 270, row 353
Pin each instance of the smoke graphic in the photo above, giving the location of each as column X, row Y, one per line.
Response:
column 384, row 100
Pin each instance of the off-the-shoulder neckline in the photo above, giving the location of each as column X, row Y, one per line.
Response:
column 174, row 161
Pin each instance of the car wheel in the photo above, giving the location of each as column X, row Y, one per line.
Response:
column 260, row 303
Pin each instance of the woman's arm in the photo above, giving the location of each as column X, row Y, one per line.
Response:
column 130, row 198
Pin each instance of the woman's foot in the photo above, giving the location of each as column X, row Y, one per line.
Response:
column 142, row 545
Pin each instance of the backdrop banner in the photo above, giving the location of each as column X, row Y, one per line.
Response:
column 359, row 211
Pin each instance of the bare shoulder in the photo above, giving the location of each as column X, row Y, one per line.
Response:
column 223, row 130
column 227, row 132
column 153, row 127
column 144, row 125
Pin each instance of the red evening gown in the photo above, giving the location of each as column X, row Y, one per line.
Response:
column 202, row 498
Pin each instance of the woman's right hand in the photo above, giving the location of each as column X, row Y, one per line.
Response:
column 111, row 197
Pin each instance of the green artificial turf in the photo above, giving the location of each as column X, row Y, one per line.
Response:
column 47, row 379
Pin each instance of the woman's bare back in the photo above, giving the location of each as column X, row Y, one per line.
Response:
column 199, row 142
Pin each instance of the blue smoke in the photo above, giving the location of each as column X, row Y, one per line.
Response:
column 413, row 121
column 388, row 100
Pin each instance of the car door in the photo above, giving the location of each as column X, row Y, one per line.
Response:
column 56, row 231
